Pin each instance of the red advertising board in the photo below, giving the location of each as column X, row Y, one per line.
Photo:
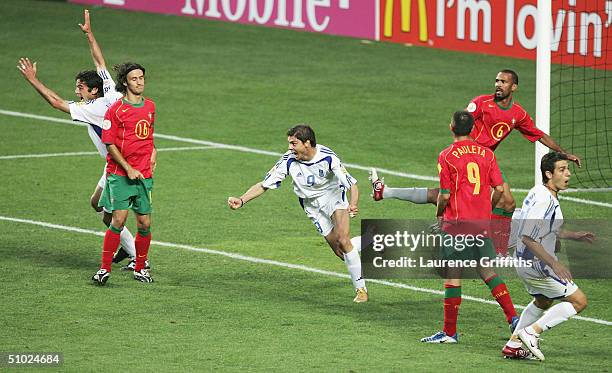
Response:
column 581, row 28
column 338, row 17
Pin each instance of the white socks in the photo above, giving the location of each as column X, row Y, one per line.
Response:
column 353, row 264
column 530, row 314
column 556, row 314
column 356, row 242
column 552, row 317
column 416, row 195
column 127, row 242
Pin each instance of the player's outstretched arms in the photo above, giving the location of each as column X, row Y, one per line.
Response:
column 588, row 237
column 552, row 144
column 28, row 70
column 96, row 52
column 254, row 191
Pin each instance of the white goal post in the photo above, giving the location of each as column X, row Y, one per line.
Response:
column 544, row 39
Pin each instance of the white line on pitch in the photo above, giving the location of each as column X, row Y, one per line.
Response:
column 276, row 154
column 71, row 154
column 47, row 155
column 275, row 263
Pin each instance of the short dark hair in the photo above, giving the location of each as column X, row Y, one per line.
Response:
column 122, row 71
column 513, row 73
column 303, row 132
column 462, row 123
column 92, row 80
column 548, row 163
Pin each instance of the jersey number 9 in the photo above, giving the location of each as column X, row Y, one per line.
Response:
column 473, row 174
column 310, row 180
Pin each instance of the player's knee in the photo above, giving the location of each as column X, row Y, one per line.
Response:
column 118, row 221
column 510, row 205
column 580, row 303
column 144, row 226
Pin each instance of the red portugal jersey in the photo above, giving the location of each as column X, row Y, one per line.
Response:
column 130, row 128
column 492, row 122
column 468, row 171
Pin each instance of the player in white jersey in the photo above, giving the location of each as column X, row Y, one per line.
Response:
column 96, row 92
column 539, row 226
column 321, row 183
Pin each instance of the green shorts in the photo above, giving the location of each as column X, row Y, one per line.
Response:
column 474, row 250
column 121, row 193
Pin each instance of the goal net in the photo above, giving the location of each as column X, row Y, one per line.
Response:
column 581, row 86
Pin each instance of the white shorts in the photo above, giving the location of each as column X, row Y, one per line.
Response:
column 101, row 184
column 102, row 181
column 549, row 286
column 320, row 210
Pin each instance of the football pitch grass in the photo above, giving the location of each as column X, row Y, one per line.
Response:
column 229, row 292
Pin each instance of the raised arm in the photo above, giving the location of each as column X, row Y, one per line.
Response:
column 28, row 70
column 96, row 52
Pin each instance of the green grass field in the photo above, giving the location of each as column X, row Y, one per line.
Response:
column 382, row 105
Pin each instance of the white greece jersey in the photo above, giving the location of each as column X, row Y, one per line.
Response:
column 92, row 111
column 322, row 175
column 541, row 219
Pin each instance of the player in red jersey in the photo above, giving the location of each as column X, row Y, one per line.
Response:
column 128, row 135
column 495, row 116
column 467, row 171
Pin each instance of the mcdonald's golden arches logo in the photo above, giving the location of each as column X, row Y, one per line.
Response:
column 405, row 20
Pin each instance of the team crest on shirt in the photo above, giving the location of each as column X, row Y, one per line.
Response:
column 106, row 124
column 471, row 107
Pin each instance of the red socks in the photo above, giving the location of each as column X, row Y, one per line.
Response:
column 502, row 296
column 142, row 243
column 112, row 239
column 452, row 300
column 501, row 224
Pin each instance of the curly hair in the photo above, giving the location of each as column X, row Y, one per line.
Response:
column 122, row 71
